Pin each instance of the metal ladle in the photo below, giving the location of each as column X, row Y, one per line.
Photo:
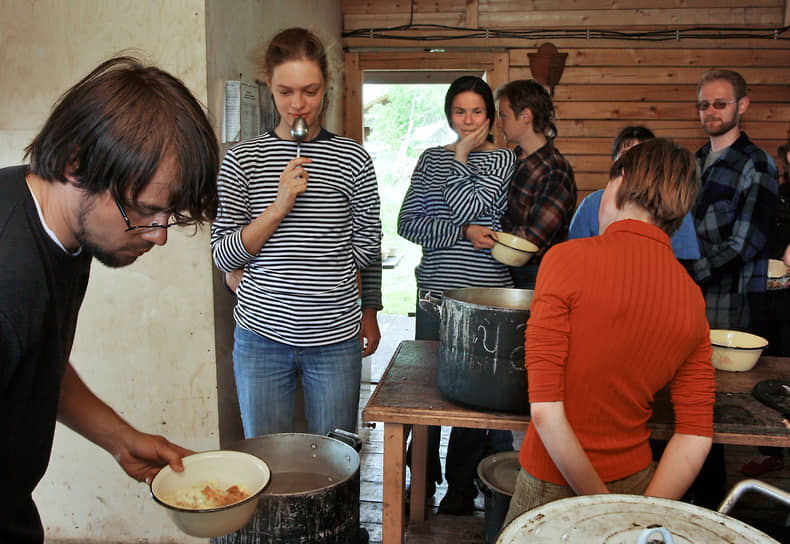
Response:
column 299, row 132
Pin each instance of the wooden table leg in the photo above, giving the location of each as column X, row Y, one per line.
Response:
column 419, row 465
column 393, row 509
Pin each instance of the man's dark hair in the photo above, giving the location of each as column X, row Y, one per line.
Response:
column 630, row 134
column 477, row 86
column 113, row 130
column 528, row 93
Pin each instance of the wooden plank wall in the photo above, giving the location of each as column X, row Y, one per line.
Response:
column 607, row 83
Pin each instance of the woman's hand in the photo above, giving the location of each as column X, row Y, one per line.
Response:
column 480, row 236
column 293, row 182
column 233, row 279
column 470, row 142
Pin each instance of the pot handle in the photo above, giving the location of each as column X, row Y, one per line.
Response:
column 666, row 535
column 430, row 302
column 349, row 438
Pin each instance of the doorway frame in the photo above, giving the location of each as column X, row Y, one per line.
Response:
column 494, row 63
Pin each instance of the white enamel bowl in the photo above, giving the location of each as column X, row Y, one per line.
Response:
column 736, row 351
column 778, row 274
column 512, row 250
column 225, row 468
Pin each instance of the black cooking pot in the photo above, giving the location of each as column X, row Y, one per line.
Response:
column 313, row 494
column 481, row 347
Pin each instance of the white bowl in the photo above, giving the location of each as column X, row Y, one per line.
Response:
column 778, row 274
column 736, row 351
column 225, row 468
column 512, row 250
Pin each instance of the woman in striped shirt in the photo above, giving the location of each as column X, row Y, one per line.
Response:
column 452, row 208
column 300, row 228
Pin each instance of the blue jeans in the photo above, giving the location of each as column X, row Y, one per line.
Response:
column 266, row 374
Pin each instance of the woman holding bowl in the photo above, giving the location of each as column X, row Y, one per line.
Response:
column 452, row 208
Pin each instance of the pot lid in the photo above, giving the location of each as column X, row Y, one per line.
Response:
column 619, row 519
column 499, row 471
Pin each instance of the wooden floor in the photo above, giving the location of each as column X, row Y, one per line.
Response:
column 754, row 509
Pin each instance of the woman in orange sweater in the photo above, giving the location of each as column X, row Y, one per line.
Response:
column 615, row 318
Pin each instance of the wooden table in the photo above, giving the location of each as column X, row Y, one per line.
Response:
column 408, row 395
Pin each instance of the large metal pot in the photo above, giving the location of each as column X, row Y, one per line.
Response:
column 481, row 347
column 313, row 494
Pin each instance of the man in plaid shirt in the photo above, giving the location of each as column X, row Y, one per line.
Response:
column 542, row 193
column 734, row 212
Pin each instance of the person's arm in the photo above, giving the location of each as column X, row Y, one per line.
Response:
column 472, row 191
column 679, row 465
column 416, row 222
column 370, row 291
column 786, row 257
column 236, row 237
column 692, row 392
column 750, row 217
column 365, row 208
column 550, row 210
column 141, row 455
column 564, row 447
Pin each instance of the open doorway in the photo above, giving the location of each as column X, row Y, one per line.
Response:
column 400, row 122
column 394, row 106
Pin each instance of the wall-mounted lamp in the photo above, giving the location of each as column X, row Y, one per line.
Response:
column 547, row 65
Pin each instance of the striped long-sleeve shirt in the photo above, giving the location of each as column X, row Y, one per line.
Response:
column 444, row 195
column 300, row 289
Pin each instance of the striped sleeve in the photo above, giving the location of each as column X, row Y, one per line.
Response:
column 421, row 221
column 233, row 215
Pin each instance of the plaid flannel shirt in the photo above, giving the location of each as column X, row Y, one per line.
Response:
column 733, row 217
column 541, row 199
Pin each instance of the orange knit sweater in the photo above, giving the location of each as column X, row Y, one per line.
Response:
column 614, row 319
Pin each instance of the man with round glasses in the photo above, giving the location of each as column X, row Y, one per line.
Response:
column 125, row 153
column 733, row 217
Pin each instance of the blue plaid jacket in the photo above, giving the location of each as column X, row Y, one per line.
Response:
column 733, row 217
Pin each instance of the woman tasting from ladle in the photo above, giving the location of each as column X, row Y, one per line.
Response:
column 300, row 229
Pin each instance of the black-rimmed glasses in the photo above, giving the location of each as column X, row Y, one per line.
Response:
column 717, row 104
column 152, row 226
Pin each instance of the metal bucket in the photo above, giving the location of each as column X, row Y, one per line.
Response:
column 496, row 478
column 313, row 494
column 481, row 347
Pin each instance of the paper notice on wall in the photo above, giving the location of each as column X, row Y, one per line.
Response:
column 241, row 116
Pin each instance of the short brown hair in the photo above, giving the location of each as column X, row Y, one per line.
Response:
column 528, row 93
column 116, row 127
column 733, row 78
column 661, row 177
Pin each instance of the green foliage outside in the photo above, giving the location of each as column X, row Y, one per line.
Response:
column 403, row 121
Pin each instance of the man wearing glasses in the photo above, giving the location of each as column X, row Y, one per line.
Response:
column 733, row 217
column 125, row 154
column 735, row 209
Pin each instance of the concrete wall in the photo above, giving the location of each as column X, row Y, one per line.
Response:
column 146, row 336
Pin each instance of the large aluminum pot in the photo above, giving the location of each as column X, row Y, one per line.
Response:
column 623, row 519
column 481, row 347
column 313, row 494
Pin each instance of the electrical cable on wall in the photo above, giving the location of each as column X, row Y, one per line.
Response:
column 691, row 33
